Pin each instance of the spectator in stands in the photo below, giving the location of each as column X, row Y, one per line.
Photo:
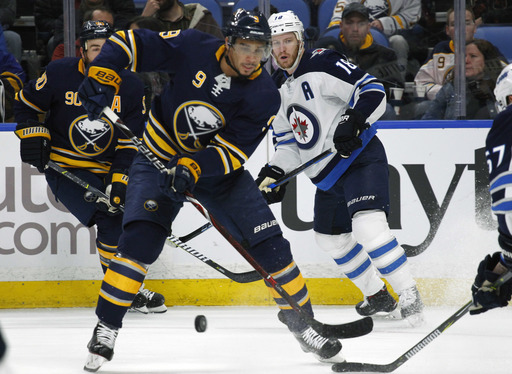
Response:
column 49, row 16
column 495, row 11
column 356, row 42
column 440, row 63
column 7, row 18
column 12, row 77
column 392, row 17
column 154, row 82
column 100, row 13
column 176, row 15
column 484, row 62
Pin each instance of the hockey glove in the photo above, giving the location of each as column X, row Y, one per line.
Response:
column 116, row 181
column 346, row 136
column 268, row 175
column 182, row 176
column 486, row 297
column 98, row 89
column 35, row 147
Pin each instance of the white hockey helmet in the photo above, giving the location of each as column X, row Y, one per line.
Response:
column 284, row 22
column 503, row 88
column 281, row 23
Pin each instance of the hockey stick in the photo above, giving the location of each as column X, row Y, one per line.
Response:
column 250, row 276
column 79, row 181
column 172, row 240
column 196, row 232
column 347, row 330
column 344, row 367
column 300, row 168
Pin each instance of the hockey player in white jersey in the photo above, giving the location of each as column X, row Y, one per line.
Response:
column 328, row 102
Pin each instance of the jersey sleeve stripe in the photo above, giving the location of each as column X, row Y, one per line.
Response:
column 223, row 159
column 231, row 161
column 502, row 181
column 154, row 148
column 22, row 97
column 120, row 40
column 231, row 147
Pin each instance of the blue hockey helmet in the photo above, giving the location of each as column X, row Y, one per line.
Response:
column 94, row 30
column 246, row 24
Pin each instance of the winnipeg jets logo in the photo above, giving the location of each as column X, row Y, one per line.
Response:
column 223, row 82
column 90, row 138
column 300, row 128
column 317, row 52
column 195, row 121
column 304, row 125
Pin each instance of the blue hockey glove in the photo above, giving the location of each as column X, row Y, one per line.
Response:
column 484, row 296
column 268, row 175
column 116, row 181
column 182, row 176
column 346, row 137
column 98, row 89
column 35, row 143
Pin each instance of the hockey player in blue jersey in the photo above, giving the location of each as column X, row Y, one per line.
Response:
column 96, row 151
column 328, row 102
column 204, row 125
column 498, row 151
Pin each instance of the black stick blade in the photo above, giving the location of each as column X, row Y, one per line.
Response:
column 347, row 330
column 359, row 367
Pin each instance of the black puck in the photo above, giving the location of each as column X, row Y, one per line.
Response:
column 200, row 323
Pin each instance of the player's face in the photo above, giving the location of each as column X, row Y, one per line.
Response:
column 475, row 62
column 93, row 50
column 285, row 48
column 354, row 29
column 470, row 26
column 246, row 55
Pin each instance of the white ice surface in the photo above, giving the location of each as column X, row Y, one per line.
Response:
column 247, row 340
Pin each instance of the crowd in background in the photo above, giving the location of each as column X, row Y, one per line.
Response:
column 406, row 44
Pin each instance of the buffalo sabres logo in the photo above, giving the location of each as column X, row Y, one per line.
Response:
column 194, row 123
column 151, row 205
column 91, row 138
column 304, row 125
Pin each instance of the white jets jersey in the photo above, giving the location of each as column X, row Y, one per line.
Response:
column 313, row 100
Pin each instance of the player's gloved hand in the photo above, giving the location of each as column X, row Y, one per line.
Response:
column 268, row 175
column 486, row 297
column 117, row 181
column 98, row 89
column 35, row 145
column 182, row 176
column 103, row 203
column 346, row 137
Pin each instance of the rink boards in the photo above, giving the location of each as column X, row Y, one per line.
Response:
column 439, row 207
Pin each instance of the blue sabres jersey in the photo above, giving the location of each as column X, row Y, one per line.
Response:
column 215, row 119
column 498, row 146
column 76, row 141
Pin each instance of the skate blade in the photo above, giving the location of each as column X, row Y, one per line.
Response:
column 331, row 360
column 158, row 309
column 142, row 309
column 94, row 362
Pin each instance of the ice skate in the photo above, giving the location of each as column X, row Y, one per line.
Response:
column 380, row 302
column 324, row 349
column 156, row 301
column 101, row 346
column 411, row 306
column 139, row 304
column 147, row 301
